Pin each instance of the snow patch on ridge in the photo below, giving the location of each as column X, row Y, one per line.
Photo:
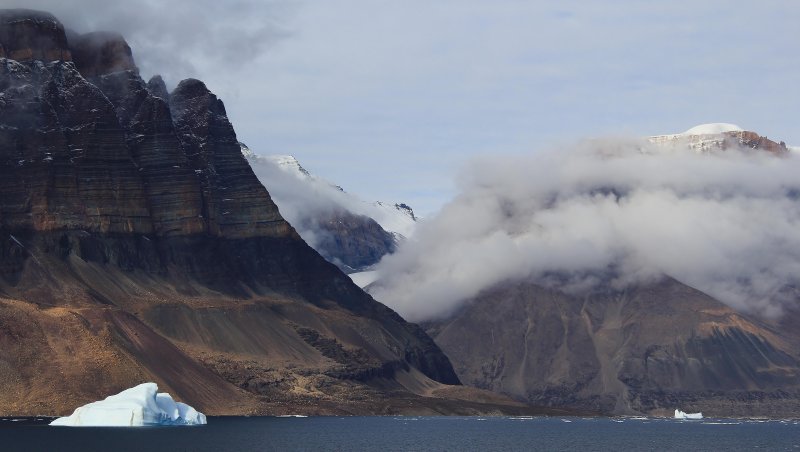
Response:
column 701, row 138
column 713, row 129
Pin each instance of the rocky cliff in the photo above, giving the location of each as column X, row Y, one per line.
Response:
column 137, row 244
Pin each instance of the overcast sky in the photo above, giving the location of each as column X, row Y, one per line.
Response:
column 389, row 98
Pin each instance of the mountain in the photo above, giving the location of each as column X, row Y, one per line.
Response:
column 616, row 285
column 647, row 349
column 137, row 244
column 351, row 233
column 719, row 136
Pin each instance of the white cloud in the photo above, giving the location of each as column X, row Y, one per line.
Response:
column 727, row 224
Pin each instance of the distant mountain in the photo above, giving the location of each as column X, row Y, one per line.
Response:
column 603, row 338
column 647, row 349
column 720, row 136
column 349, row 232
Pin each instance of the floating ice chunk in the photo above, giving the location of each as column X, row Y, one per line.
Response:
column 681, row 415
column 138, row 406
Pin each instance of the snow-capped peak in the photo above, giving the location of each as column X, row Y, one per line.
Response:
column 397, row 219
column 720, row 136
column 288, row 163
column 246, row 152
column 713, row 129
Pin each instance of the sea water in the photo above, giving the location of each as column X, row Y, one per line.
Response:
column 406, row 433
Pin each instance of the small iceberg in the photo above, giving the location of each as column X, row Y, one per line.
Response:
column 681, row 415
column 139, row 406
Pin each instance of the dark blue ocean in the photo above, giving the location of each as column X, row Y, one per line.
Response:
column 411, row 434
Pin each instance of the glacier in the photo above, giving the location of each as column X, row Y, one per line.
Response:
column 139, row 406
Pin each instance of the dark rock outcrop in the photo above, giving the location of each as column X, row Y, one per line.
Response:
column 136, row 243
column 158, row 88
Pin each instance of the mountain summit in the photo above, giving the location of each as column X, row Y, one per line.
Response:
column 720, row 136
column 622, row 276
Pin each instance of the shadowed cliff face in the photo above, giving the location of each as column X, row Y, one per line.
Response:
column 65, row 161
column 647, row 349
column 136, row 243
column 171, row 183
column 234, row 201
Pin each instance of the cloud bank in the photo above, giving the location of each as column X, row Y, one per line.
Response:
column 180, row 38
column 726, row 223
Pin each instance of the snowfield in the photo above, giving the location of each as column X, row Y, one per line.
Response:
column 713, row 129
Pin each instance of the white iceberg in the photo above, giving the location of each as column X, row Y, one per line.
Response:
column 138, row 406
column 681, row 415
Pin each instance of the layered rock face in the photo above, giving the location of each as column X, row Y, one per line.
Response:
column 136, row 244
column 647, row 349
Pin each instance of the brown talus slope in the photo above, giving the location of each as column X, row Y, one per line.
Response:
column 648, row 349
column 137, row 244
